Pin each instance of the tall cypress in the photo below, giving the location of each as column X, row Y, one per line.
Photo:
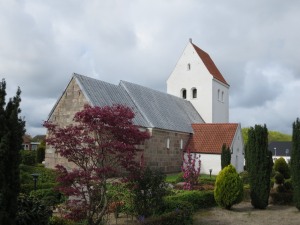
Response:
column 295, row 162
column 12, row 128
column 259, row 166
column 225, row 156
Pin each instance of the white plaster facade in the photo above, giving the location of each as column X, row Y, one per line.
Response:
column 212, row 96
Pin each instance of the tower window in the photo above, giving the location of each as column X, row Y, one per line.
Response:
column 222, row 96
column 168, row 143
column 194, row 92
column 183, row 93
column 188, row 66
column 219, row 94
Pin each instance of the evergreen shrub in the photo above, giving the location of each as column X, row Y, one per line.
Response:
column 177, row 217
column 32, row 211
column 282, row 167
column 48, row 197
column 199, row 199
column 28, row 157
column 279, row 178
column 228, row 188
column 40, row 154
column 295, row 162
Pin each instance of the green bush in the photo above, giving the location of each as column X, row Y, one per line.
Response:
column 288, row 185
column 40, row 154
column 245, row 177
column 199, row 199
column 179, row 178
column 27, row 188
column 279, row 178
column 148, row 188
column 54, row 220
column 282, row 167
column 48, row 197
column 28, row 157
column 177, row 217
column 228, row 188
column 32, row 211
column 280, row 189
column 171, row 205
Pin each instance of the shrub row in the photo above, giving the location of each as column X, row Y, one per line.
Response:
column 27, row 188
column 281, row 198
column 199, row 199
column 177, row 217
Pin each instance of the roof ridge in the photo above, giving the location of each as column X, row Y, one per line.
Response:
column 210, row 65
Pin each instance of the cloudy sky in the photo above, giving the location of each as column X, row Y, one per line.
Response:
column 255, row 44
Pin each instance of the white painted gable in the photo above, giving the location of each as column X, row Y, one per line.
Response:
column 191, row 75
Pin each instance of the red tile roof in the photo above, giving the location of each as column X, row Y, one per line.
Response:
column 210, row 65
column 209, row 137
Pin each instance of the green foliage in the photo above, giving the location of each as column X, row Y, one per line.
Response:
column 48, row 197
column 173, row 204
column 225, row 156
column 199, row 199
column 40, row 154
column 27, row 188
column 12, row 128
column 28, row 157
column 179, row 177
column 228, row 188
column 279, row 178
column 54, row 220
column 32, row 211
column 277, row 136
column 273, row 136
column 288, row 185
column 295, row 162
column 149, row 188
column 177, row 217
column 245, row 177
column 259, row 165
column 282, row 167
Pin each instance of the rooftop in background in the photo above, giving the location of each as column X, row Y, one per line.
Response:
column 280, row 148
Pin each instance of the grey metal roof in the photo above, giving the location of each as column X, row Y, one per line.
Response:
column 163, row 110
column 152, row 108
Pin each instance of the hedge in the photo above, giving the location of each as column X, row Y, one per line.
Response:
column 199, row 199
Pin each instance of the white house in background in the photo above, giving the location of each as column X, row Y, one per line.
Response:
column 207, row 141
column 197, row 79
column 197, row 101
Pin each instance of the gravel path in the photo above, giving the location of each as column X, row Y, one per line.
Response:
column 244, row 214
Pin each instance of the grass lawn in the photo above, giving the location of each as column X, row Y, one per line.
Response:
column 204, row 178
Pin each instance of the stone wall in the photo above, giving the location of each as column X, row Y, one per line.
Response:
column 72, row 101
column 160, row 156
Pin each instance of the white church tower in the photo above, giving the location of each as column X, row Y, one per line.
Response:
column 197, row 79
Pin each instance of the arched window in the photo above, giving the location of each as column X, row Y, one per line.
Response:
column 222, row 96
column 183, row 93
column 168, row 143
column 188, row 66
column 194, row 93
column 219, row 94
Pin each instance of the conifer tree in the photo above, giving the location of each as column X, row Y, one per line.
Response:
column 12, row 128
column 259, row 166
column 225, row 156
column 295, row 162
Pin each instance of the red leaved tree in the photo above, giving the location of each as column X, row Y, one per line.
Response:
column 191, row 169
column 102, row 141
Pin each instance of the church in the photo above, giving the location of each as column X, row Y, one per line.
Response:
column 193, row 114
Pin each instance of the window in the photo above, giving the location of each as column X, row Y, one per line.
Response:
column 222, row 96
column 181, row 144
column 183, row 93
column 219, row 94
column 168, row 143
column 194, row 92
column 188, row 66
